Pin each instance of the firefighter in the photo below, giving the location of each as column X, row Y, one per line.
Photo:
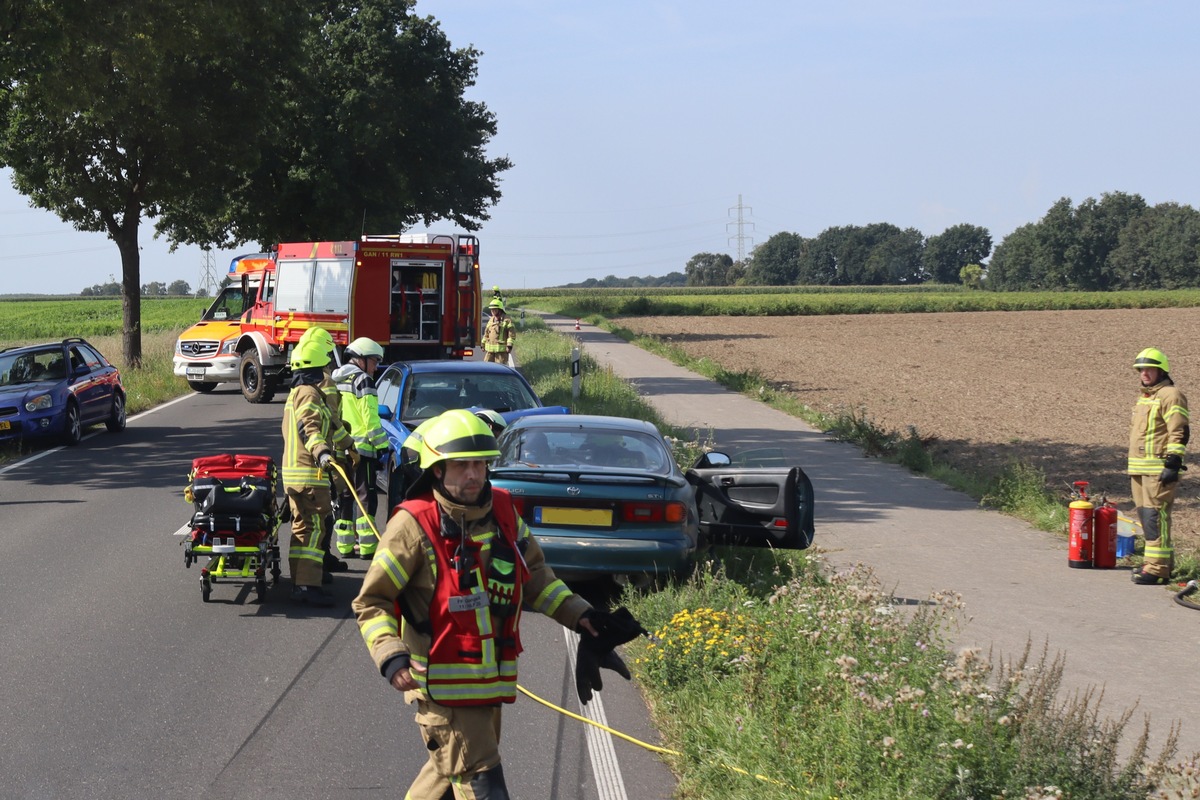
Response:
column 1158, row 437
column 496, row 294
column 457, row 563
column 493, row 420
column 307, row 462
column 340, row 439
column 500, row 334
column 360, row 410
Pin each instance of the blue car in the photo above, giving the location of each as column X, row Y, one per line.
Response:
column 55, row 390
column 411, row 392
column 605, row 497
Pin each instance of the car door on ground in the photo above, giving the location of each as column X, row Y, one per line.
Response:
column 753, row 505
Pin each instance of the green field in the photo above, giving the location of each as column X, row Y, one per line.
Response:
column 31, row 321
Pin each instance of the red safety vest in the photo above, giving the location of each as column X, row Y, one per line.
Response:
column 473, row 617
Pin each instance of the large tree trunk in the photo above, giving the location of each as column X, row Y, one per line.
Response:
column 131, row 293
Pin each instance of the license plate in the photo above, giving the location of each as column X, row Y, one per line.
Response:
column 195, row 373
column 5, row 425
column 594, row 517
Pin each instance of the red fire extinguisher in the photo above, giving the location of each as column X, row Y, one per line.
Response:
column 1079, row 544
column 1105, row 538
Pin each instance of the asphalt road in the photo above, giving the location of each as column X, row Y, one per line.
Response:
column 118, row 682
column 1132, row 643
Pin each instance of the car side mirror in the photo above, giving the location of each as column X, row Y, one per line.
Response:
column 713, row 459
column 385, row 412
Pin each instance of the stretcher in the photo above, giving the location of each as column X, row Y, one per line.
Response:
column 235, row 521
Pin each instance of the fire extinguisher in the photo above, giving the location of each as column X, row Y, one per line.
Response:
column 1105, row 538
column 1079, row 544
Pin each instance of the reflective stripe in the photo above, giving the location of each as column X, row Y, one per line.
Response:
column 551, row 598
column 391, row 566
column 384, row 624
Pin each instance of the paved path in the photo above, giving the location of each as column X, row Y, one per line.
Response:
column 922, row 537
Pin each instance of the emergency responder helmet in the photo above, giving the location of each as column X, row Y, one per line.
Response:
column 1152, row 357
column 455, row 435
column 362, row 347
column 493, row 420
column 315, row 349
column 497, row 303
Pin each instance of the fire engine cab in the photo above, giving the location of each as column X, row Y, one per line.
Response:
column 418, row 295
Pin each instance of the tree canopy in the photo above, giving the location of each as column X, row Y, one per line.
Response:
column 239, row 120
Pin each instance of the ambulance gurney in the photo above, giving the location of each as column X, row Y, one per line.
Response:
column 235, row 521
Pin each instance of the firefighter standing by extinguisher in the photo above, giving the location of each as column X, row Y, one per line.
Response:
column 500, row 334
column 307, row 462
column 354, row 529
column 457, row 563
column 1158, row 438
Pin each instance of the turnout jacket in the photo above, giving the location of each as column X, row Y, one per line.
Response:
column 406, row 567
column 1159, row 428
column 307, row 427
column 360, row 410
column 500, row 334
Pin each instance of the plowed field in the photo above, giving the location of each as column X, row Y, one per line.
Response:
column 1050, row 388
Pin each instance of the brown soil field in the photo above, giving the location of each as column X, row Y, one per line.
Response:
column 1054, row 389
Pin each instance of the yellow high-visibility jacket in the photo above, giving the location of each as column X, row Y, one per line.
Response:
column 360, row 410
column 1159, row 428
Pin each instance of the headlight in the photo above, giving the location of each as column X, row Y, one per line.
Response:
column 39, row 403
column 228, row 346
column 178, row 352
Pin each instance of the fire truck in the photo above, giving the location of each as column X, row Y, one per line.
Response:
column 418, row 295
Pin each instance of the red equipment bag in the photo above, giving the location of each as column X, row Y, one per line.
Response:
column 233, row 496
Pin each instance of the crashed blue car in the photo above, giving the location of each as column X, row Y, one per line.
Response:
column 411, row 392
column 55, row 390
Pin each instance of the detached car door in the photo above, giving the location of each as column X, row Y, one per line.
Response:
column 753, row 505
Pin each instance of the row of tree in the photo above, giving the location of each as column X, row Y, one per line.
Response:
column 850, row 255
column 234, row 121
column 179, row 288
column 1116, row 242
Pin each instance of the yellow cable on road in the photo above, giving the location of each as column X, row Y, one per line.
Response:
column 565, row 712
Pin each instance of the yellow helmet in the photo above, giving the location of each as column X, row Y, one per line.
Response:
column 497, row 303
column 362, row 347
column 453, row 435
column 315, row 349
column 1152, row 357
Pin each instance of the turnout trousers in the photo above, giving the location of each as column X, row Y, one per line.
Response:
column 464, row 753
column 1154, row 500
column 311, row 505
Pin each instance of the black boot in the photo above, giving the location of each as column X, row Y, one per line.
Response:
column 1146, row 579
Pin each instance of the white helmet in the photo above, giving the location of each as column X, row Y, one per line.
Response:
column 362, row 347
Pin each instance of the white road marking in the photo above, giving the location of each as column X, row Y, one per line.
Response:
column 610, row 785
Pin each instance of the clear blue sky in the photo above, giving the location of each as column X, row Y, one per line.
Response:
column 635, row 126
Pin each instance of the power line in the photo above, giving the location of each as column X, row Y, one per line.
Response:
column 741, row 236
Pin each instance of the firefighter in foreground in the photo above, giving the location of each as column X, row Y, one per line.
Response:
column 499, row 335
column 360, row 410
column 1158, row 437
column 308, row 450
column 457, row 563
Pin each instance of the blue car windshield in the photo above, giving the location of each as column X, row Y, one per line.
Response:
column 587, row 448
column 31, row 366
column 428, row 394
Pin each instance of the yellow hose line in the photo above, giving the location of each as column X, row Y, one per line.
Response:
column 357, row 502
column 563, row 711
column 639, row 742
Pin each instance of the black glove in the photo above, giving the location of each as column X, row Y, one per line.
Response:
column 595, row 652
column 1172, row 464
column 324, row 460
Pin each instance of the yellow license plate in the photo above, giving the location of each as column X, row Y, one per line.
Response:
column 594, row 517
column 5, row 425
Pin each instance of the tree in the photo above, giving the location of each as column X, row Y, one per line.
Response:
column 1013, row 265
column 377, row 136
column 1160, row 249
column 776, row 262
column 1099, row 226
column 954, row 248
column 154, row 289
column 113, row 111
column 179, row 288
column 708, row 269
column 971, row 276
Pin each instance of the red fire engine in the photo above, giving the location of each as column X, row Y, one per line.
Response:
column 417, row 295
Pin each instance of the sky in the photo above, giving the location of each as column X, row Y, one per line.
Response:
column 642, row 132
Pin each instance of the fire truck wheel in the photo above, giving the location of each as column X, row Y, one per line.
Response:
column 256, row 387
column 203, row 387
